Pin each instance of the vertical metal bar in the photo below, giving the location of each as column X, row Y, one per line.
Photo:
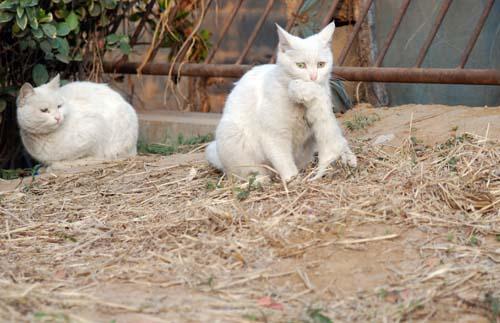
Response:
column 256, row 30
column 289, row 26
column 392, row 33
column 475, row 34
column 428, row 42
column 224, row 31
column 290, row 23
column 329, row 14
column 355, row 31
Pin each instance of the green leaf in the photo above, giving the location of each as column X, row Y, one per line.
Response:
column 5, row 16
column 38, row 33
column 22, row 22
column 3, row 105
column 20, row 11
column 125, row 48
column 95, row 10
column 78, row 57
column 62, row 29
column 28, row 3
column 63, row 58
column 46, row 47
column 8, row 4
column 62, row 46
column 72, row 20
column 40, row 74
column 109, row 4
column 45, row 18
column 49, row 30
column 61, row 13
column 112, row 38
column 30, row 12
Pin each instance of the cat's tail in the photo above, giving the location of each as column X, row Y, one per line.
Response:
column 212, row 156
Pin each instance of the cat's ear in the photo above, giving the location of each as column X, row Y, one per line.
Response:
column 25, row 92
column 54, row 83
column 286, row 40
column 327, row 33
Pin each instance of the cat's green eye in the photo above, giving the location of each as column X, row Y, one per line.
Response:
column 321, row 64
column 301, row 65
column 44, row 110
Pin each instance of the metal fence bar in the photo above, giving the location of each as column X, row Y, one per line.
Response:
column 430, row 38
column 330, row 13
column 355, row 31
column 289, row 26
column 475, row 34
column 392, row 33
column 366, row 74
column 224, row 31
column 256, row 30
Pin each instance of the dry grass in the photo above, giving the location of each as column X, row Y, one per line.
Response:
column 146, row 239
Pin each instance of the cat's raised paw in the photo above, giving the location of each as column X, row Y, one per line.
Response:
column 303, row 91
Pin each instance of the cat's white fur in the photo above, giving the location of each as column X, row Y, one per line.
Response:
column 279, row 115
column 80, row 120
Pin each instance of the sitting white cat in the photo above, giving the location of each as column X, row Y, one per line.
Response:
column 81, row 121
column 279, row 115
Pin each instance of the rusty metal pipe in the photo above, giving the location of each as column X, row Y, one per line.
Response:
column 224, row 31
column 255, row 31
column 330, row 13
column 365, row 74
column 428, row 42
column 475, row 34
column 355, row 31
column 392, row 33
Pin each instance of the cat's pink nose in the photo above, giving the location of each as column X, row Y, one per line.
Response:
column 314, row 76
column 58, row 119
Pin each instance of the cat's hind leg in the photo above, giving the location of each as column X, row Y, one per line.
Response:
column 212, row 156
column 237, row 152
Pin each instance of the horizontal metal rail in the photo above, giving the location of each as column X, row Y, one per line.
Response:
column 365, row 74
column 377, row 73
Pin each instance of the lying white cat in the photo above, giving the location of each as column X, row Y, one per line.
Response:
column 78, row 121
column 278, row 115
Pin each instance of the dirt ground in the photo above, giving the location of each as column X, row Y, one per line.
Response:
column 413, row 234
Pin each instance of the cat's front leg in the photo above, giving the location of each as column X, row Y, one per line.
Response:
column 329, row 139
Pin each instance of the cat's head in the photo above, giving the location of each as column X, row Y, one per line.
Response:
column 308, row 59
column 40, row 110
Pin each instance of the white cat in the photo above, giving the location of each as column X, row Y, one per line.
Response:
column 78, row 121
column 278, row 115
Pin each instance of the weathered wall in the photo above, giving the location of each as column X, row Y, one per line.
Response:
column 445, row 52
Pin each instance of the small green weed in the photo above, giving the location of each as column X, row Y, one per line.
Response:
column 361, row 121
column 473, row 240
column 494, row 305
column 244, row 193
column 318, row 317
column 180, row 145
column 50, row 317
column 9, row 174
